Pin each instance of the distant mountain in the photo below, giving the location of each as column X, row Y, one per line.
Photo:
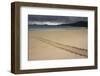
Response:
column 77, row 24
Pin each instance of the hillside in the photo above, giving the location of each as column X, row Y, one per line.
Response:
column 77, row 24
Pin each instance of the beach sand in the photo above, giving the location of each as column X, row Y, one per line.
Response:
column 52, row 44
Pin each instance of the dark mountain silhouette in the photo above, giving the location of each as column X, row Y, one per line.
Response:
column 77, row 24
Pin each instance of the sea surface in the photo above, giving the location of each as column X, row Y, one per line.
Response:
column 56, row 29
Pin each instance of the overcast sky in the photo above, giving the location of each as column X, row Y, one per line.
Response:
column 54, row 20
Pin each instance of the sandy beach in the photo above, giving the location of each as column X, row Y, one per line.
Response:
column 57, row 44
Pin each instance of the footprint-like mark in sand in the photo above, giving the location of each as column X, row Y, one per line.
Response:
column 71, row 49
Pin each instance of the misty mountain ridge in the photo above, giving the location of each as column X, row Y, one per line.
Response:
column 76, row 24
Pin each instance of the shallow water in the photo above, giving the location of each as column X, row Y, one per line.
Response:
column 56, row 29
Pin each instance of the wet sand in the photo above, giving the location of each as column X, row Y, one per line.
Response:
column 57, row 44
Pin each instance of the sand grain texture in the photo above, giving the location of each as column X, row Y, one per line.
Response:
column 57, row 44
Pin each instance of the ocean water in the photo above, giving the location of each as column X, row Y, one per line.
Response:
column 55, row 29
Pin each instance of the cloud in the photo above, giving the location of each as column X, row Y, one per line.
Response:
column 44, row 23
